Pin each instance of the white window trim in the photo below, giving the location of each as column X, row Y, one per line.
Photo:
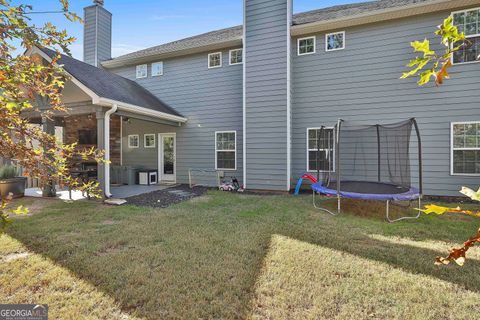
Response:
column 145, row 140
column 466, row 37
column 216, row 151
column 326, row 41
column 314, row 46
column 138, row 139
column 452, row 173
column 221, row 58
column 308, row 149
column 136, row 71
column 230, row 57
column 161, row 73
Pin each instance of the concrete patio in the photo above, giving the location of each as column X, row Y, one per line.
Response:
column 125, row 191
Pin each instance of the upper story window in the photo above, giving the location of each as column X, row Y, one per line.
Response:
column 468, row 22
column 141, row 71
column 157, row 69
column 215, row 60
column 335, row 41
column 320, row 149
column 236, row 56
column 226, row 150
column 465, row 151
column 306, row 46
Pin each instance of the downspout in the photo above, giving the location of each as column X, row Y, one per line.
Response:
column 107, row 149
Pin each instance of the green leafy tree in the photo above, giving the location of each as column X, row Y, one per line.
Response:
column 435, row 65
column 25, row 81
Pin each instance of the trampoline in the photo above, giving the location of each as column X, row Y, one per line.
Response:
column 365, row 190
column 371, row 162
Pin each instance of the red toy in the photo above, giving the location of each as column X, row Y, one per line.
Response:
column 308, row 176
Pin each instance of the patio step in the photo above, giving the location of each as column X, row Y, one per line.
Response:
column 115, row 202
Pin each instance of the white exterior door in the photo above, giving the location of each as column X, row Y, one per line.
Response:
column 167, row 162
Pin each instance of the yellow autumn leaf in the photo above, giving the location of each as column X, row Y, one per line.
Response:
column 21, row 210
column 423, row 46
column 433, row 208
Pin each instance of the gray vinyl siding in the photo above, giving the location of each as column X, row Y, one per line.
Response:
column 146, row 158
column 266, row 93
column 361, row 83
column 89, row 35
column 211, row 100
column 97, row 34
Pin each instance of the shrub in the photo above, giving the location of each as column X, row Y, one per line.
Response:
column 7, row 172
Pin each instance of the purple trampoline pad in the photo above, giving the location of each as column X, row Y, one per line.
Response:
column 367, row 190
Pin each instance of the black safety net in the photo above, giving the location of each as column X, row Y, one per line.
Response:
column 378, row 155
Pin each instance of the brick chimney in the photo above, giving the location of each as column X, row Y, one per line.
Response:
column 97, row 34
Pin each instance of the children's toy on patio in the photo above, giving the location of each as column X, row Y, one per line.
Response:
column 232, row 185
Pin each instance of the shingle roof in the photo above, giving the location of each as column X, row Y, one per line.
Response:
column 111, row 86
column 201, row 40
column 233, row 33
column 347, row 10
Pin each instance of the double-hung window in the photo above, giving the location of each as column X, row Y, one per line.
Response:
column 320, row 149
column 335, row 41
column 226, row 150
column 157, row 69
column 468, row 22
column 133, row 141
column 306, row 46
column 149, row 140
column 141, row 71
column 236, row 56
column 465, row 153
column 214, row 60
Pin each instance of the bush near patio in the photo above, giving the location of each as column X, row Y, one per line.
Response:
column 435, row 65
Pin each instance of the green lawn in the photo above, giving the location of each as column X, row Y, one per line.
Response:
column 233, row 256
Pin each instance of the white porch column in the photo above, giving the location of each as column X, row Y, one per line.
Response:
column 49, row 189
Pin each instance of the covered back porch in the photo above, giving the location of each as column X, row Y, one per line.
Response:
column 100, row 106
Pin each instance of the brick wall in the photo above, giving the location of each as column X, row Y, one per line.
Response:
column 89, row 122
column 115, row 140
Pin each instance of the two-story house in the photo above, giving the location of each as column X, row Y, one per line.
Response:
column 248, row 100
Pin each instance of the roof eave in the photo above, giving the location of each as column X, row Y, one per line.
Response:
column 381, row 15
column 140, row 110
column 119, row 62
column 101, row 101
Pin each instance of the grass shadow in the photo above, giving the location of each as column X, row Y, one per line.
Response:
column 300, row 280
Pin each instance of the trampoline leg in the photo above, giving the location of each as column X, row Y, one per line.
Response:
column 387, row 211
column 324, row 209
column 402, row 218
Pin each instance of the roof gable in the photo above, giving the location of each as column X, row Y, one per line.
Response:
column 108, row 85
